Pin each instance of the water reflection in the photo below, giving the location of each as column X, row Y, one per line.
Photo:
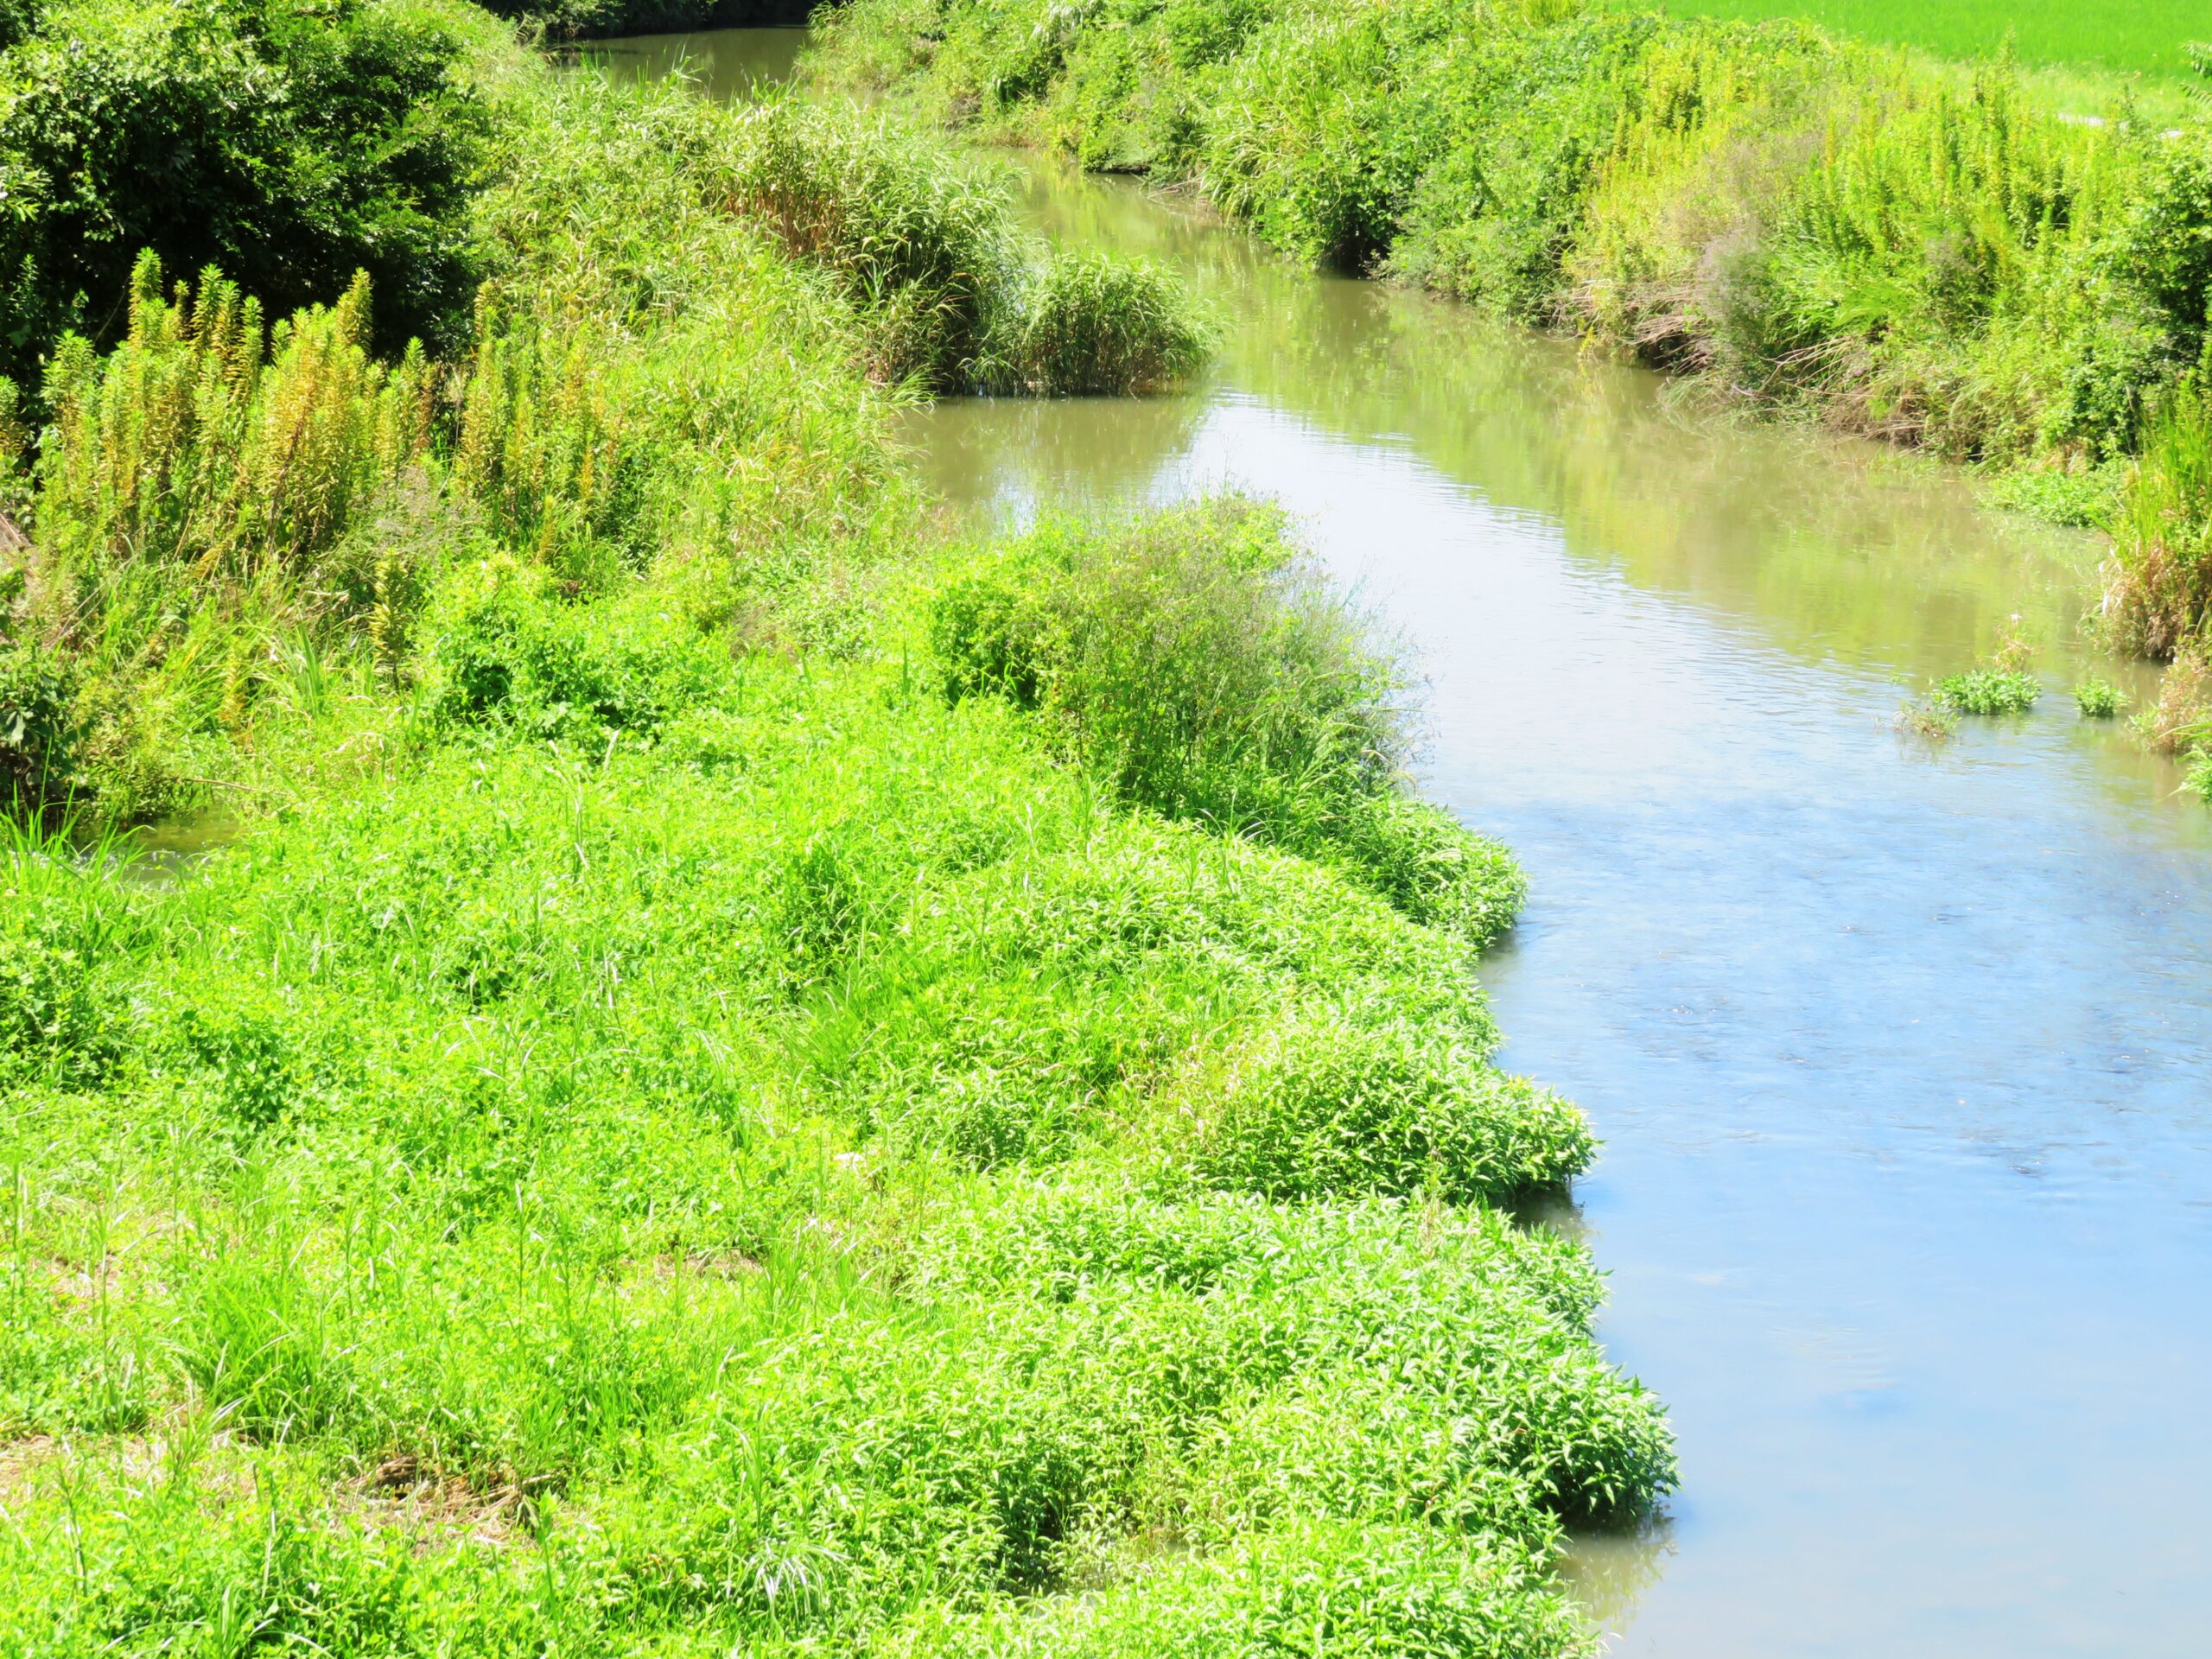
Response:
column 726, row 64
column 1839, row 548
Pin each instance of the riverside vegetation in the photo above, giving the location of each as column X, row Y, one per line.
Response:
column 745, row 1080
column 1926, row 253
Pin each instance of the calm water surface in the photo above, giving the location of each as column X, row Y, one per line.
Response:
column 1902, row 1054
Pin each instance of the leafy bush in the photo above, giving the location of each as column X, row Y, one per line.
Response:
column 1187, row 657
column 291, row 150
column 497, row 652
column 39, row 728
column 55, row 1019
column 1423, row 860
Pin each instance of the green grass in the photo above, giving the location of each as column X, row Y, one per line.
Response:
column 2139, row 36
column 740, row 1080
column 811, row 1173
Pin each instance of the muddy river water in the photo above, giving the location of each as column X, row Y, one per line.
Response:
column 1901, row 1050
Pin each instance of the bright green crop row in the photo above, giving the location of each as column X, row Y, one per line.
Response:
column 2149, row 37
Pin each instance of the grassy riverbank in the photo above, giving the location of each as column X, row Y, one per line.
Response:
column 1809, row 224
column 743, row 1077
column 687, row 330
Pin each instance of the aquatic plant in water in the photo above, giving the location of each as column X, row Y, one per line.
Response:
column 1987, row 691
column 2098, row 698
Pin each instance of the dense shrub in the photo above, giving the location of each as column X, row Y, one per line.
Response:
column 39, row 727
column 2097, row 698
column 497, row 651
column 292, row 148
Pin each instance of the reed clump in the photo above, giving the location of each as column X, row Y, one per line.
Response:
column 1199, row 666
column 927, row 248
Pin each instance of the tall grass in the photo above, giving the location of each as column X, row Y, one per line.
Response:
column 198, row 442
column 650, row 384
column 956, row 295
column 1200, row 667
column 1088, row 324
column 2161, row 593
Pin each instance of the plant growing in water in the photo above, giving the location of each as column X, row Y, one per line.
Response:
column 2098, row 698
column 1987, row 691
column 2003, row 687
column 1926, row 718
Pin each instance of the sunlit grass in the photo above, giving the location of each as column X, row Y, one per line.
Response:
column 2135, row 36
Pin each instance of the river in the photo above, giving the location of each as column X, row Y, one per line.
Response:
column 1901, row 1050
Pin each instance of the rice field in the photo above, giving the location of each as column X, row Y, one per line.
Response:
column 2143, row 37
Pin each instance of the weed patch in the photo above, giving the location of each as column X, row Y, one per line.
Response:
column 1987, row 691
column 2098, row 698
column 1194, row 663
